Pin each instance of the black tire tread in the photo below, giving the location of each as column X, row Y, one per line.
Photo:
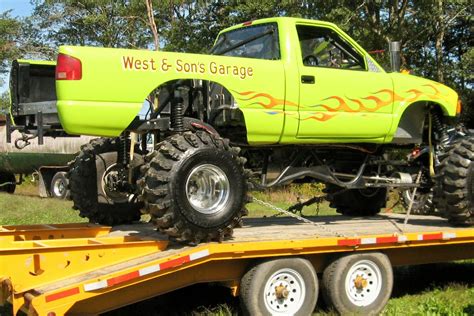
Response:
column 457, row 172
column 83, row 187
column 157, row 196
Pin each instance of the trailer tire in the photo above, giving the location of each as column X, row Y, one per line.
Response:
column 457, row 183
column 183, row 206
column 264, row 282
column 7, row 182
column 373, row 288
column 86, row 191
column 356, row 202
column 60, row 186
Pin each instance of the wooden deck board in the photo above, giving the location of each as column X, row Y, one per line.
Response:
column 284, row 228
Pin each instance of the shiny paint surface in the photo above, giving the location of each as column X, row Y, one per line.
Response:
column 342, row 105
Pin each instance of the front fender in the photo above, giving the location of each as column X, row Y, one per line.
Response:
column 410, row 90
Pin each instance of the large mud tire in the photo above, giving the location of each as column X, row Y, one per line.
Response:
column 86, row 190
column 457, row 183
column 355, row 202
column 168, row 188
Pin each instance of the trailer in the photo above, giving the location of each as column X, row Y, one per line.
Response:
column 277, row 265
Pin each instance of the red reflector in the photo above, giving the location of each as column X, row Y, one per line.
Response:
column 247, row 23
column 68, row 68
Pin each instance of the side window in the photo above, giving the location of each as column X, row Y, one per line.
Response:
column 257, row 41
column 322, row 47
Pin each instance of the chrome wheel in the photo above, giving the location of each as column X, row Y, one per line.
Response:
column 59, row 187
column 207, row 189
column 363, row 283
column 110, row 180
column 284, row 292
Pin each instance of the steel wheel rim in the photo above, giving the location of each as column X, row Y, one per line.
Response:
column 294, row 285
column 371, row 275
column 207, row 189
column 419, row 201
column 107, row 180
column 59, row 187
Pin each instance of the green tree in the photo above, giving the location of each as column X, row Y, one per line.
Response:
column 105, row 23
column 9, row 31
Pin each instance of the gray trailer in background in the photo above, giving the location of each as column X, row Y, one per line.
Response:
column 24, row 150
column 48, row 160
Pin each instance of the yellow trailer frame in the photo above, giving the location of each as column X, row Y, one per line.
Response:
column 89, row 269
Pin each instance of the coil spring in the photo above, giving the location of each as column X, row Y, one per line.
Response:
column 124, row 149
column 439, row 127
column 177, row 120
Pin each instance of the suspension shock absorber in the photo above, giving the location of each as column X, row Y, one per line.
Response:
column 438, row 127
column 177, row 119
column 123, row 156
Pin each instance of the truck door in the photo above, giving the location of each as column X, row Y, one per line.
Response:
column 341, row 97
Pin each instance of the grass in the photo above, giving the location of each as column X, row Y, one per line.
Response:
column 433, row 290
column 17, row 210
column 452, row 299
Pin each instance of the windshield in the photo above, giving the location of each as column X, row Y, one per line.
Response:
column 257, row 41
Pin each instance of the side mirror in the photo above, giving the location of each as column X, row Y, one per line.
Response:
column 395, row 61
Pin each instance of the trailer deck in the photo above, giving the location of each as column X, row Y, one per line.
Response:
column 89, row 269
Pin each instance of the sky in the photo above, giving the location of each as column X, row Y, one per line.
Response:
column 19, row 7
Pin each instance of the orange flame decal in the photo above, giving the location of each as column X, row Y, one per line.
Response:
column 372, row 103
column 381, row 103
column 341, row 107
column 319, row 116
column 437, row 94
column 266, row 100
column 417, row 95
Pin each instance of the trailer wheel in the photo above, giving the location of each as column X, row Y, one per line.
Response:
column 358, row 283
column 356, row 202
column 287, row 286
column 7, row 182
column 194, row 187
column 90, row 192
column 457, row 182
column 60, row 186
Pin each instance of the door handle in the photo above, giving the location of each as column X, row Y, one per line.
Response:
column 307, row 79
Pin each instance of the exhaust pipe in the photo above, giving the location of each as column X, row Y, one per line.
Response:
column 395, row 62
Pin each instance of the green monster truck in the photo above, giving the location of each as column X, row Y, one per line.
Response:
column 277, row 100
